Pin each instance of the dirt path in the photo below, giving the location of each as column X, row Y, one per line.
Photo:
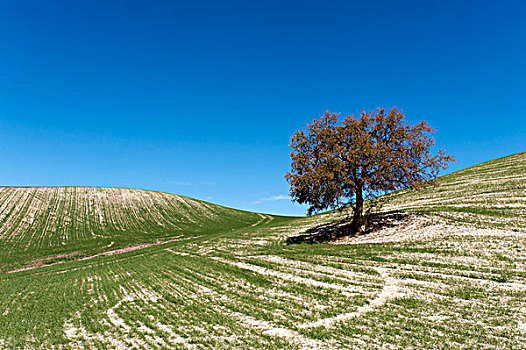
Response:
column 263, row 218
column 107, row 253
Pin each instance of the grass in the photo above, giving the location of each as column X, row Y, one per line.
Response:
column 456, row 281
column 43, row 225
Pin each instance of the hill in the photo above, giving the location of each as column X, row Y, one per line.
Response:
column 492, row 193
column 446, row 269
column 40, row 225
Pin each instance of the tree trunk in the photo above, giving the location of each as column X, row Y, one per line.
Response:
column 357, row 220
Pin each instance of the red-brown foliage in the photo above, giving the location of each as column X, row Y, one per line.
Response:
column 336, row 163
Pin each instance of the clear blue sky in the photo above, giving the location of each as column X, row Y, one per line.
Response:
column 200, row 98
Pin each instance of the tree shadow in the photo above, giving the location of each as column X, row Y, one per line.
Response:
column 344, row 228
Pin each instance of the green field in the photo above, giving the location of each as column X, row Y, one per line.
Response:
column 106, row 268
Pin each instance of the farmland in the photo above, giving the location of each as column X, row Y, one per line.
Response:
column 118, row 268
column 44, row 224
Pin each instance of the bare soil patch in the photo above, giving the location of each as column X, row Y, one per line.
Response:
column 342, row 229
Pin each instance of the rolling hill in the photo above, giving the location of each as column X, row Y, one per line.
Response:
column 106, row 268
column 492, row 193
column 51, row 224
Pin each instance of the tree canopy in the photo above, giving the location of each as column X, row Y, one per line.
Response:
column 336, row 163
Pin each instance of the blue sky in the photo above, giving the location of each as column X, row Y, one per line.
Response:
column 200, row 98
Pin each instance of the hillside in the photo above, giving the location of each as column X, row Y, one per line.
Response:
column 447, row 271
column 39, row 225
column 492, row 193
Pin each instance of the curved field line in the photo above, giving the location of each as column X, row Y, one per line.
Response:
column 289, row 277
column 390, row 291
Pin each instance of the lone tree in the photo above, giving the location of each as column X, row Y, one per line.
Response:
column 338, row 163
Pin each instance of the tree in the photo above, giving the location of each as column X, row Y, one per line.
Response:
column 338, row 163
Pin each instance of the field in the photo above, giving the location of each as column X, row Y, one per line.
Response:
column 116, row 269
